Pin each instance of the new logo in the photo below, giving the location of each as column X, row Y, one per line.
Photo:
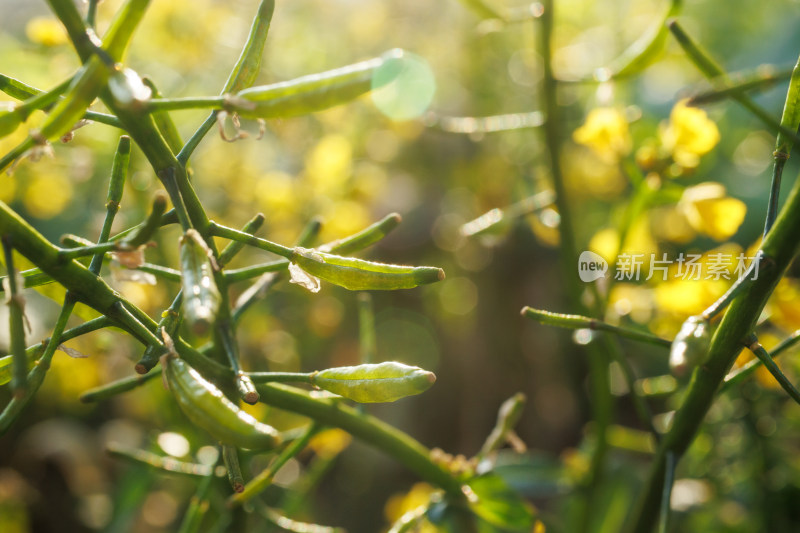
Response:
column 591, row 266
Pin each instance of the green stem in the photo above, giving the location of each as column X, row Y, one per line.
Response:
column 353, row 243
column 36, row 376
column 763, row 79
column 713, row 71
column 130, row 383
column 780, row 245
column 22, row 91
column 234, row 247
column 366, row 328
column 235, row 235
column 114, row 388
column 189, row 102
column 371, row 430
column 243, row 274
column 281, row 377
column 742, row 373
column 148, row 228
column 198, row 507
column 158, row 462
column 601, row 398
column 16, row 323
column 166, row 126
column 242, row 75
column 669, row 478
column 119, row 173
column 583, row 322
column 265, row 477
column 759, row 351
column 91, row 13
column 230, row 457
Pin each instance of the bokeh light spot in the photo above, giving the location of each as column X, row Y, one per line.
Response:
column 411, row 92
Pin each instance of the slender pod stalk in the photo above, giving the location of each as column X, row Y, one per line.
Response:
column 740, row 374
column 752, row 343
column 114, row 388
column 583, row 322
column 119, row 173
column 158, row 462
column 234, row 247
column 366, row 328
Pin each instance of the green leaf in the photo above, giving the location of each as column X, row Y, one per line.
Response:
column 495, row 502
column 370, row 383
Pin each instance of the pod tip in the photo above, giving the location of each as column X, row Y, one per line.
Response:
column 251, row 397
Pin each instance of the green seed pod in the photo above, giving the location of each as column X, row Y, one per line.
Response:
column 384, row 382
column 206, row 406
column 317, row 91
column 201, row 298
column 360, row 275
column 690, row 346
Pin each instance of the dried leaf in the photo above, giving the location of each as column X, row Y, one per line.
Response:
column 303, row 278
column 75, row 354
column 131, row 258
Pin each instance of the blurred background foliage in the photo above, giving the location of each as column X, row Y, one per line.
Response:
column 351, row 166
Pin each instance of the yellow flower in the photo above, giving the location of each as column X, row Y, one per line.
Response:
column 400, row 504
column 710, row 212
column 46, row 31
column 47, row 194
column 330, row 443
column 784, row 304
column 606, row 133
column 689, row 134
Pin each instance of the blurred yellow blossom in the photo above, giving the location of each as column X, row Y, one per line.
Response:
column 606, row 133
column 689, row 134
column 605, row 243
column 47, row 194
column 400, row 504
column 46, row 31
column 785, row 304
column 330, row 443
column 328, row 165
column 628, row 299
column 710, row 212
column 696, row 281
